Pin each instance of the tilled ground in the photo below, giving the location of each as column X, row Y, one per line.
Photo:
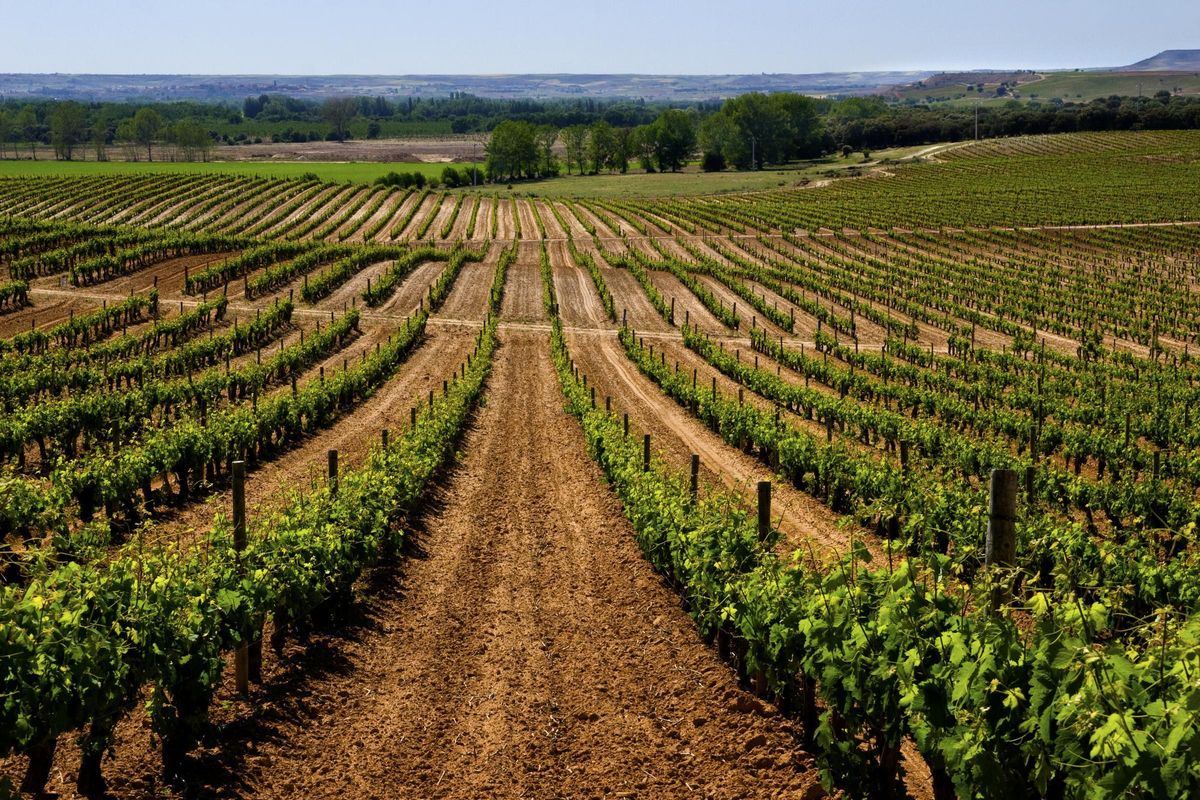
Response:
column 532, row 651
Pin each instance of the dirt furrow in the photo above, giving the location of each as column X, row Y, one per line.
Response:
column 532, row 651
column 676, row 435
column 578, row 300
column 523, row 295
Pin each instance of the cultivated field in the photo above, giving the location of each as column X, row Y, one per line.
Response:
column 540, row 563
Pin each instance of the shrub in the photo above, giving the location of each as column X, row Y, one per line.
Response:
column 712, row 162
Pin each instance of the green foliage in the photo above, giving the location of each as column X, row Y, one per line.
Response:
column 67, row 128
column 904, row 650
column 518, row 150
column 82, row 641
column 753, row 129
column 402, row 179
column 674, row 137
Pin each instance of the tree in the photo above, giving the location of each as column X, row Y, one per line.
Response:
column 144, row 128
column 512, row 152
column 756, row 129
column 338, row 111
column 128, row 141
column 600, row 146
column 622, row 149
column 26, row 127
column 720, row 136
column 802, row 134
column 761, row 124
column 544, row 138
column 193, row 141
column 642, row 141
column 712, row 162
column 100, row 135
column 68, row 123
column 575, row 143
column 253, row 106
column 674, row 139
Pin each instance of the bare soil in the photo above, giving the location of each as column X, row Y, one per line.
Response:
column 528, row 650
column 434, row 150
column 676, row 436
column 523, row 294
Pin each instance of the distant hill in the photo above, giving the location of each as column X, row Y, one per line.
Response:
column 682, row 88
column 983, row 76
column 1167, row 61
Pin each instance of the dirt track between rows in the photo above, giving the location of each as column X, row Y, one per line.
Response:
column 531, row 651
column 523, row 647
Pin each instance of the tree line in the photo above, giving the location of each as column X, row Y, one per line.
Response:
column 537, row 139
column 68, row 128
column 871, row 123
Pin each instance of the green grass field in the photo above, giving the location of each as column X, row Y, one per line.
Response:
column 691, row 181
column 1090, row 85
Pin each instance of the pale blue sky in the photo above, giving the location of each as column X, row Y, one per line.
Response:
column 485, row 36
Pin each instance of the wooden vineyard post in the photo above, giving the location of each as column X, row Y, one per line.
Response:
column 333, row 472
column 1002, row 515
column 764, row 510
column 1001, row 549
column 241, row 659
column 695, row 484
column 646, row 453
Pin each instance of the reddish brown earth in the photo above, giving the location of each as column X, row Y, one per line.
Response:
column 676, row 435
column 529, row 650
column 523, row 294
column 524, row 648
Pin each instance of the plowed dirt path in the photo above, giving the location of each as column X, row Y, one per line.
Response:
column 532, row 652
